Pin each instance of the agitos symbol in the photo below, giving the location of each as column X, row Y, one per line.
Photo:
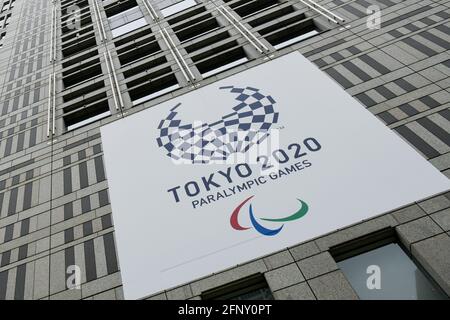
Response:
column 261, row 229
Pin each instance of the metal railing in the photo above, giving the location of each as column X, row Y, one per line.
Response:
column 117, row 96
column 177, row 56
column 150, row 10
column 322, row 11
column 246, row 33
column 99, row 22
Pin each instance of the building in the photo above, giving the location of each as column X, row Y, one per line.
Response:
column 68, row 67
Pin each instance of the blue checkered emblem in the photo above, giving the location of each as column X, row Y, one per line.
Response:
column 247, row 125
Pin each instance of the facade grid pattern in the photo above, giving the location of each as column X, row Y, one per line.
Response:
column 61, row 79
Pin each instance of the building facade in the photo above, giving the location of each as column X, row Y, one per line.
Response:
column 69, row 67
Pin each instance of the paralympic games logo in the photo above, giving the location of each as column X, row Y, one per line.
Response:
column 246, row 126
column 259, row 227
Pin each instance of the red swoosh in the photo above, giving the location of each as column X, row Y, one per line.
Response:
column 234, row 216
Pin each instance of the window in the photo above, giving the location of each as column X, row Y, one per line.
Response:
column 219, row 58
column 67, row 18
column 195, row 23
column 208, row 43
column 148, row 74
column 81, row 72
column 382, row 270
column 85, row 121
column 178, row 7
column 78, row 41
column 2, row 35
column 251, row 288
column 124, row 17
column 83, row 93
column 245, row 8
column 86, row 111
column 75, row 40
column 301, row 37
column 280, row 23
column 84, row 96
column 4, row 21
column 8, row 5
column 133, row 25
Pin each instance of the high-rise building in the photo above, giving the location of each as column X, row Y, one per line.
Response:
column 70, row 67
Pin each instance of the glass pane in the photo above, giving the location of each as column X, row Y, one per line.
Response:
column 126, row 21
column 388, row 273
column 259, row 294
column 180, row 6
column 136, row 24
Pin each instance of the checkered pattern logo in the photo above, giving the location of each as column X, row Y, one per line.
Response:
column 248, row 124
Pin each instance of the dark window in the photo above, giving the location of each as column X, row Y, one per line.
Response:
column 291, row 25
column 378, row 268
column 251, row 288
column 85, row 112
column 219, row 57
column 200, row 22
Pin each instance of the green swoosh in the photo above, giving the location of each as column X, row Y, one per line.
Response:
column 297, row 215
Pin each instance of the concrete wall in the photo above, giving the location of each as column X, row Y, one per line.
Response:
column 54, row 202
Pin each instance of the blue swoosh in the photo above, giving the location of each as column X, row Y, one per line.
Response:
column 260, row 228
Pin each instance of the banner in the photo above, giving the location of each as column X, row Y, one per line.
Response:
column 260, row 161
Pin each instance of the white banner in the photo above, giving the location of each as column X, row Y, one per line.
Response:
column 246, row 166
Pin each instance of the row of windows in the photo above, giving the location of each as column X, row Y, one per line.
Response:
column 375, row 265
column 7, row 5
column 4, row 21
column 5, row 18
column 203, row 41
column 2, row 35
column 84, row 94
column 124, row 17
